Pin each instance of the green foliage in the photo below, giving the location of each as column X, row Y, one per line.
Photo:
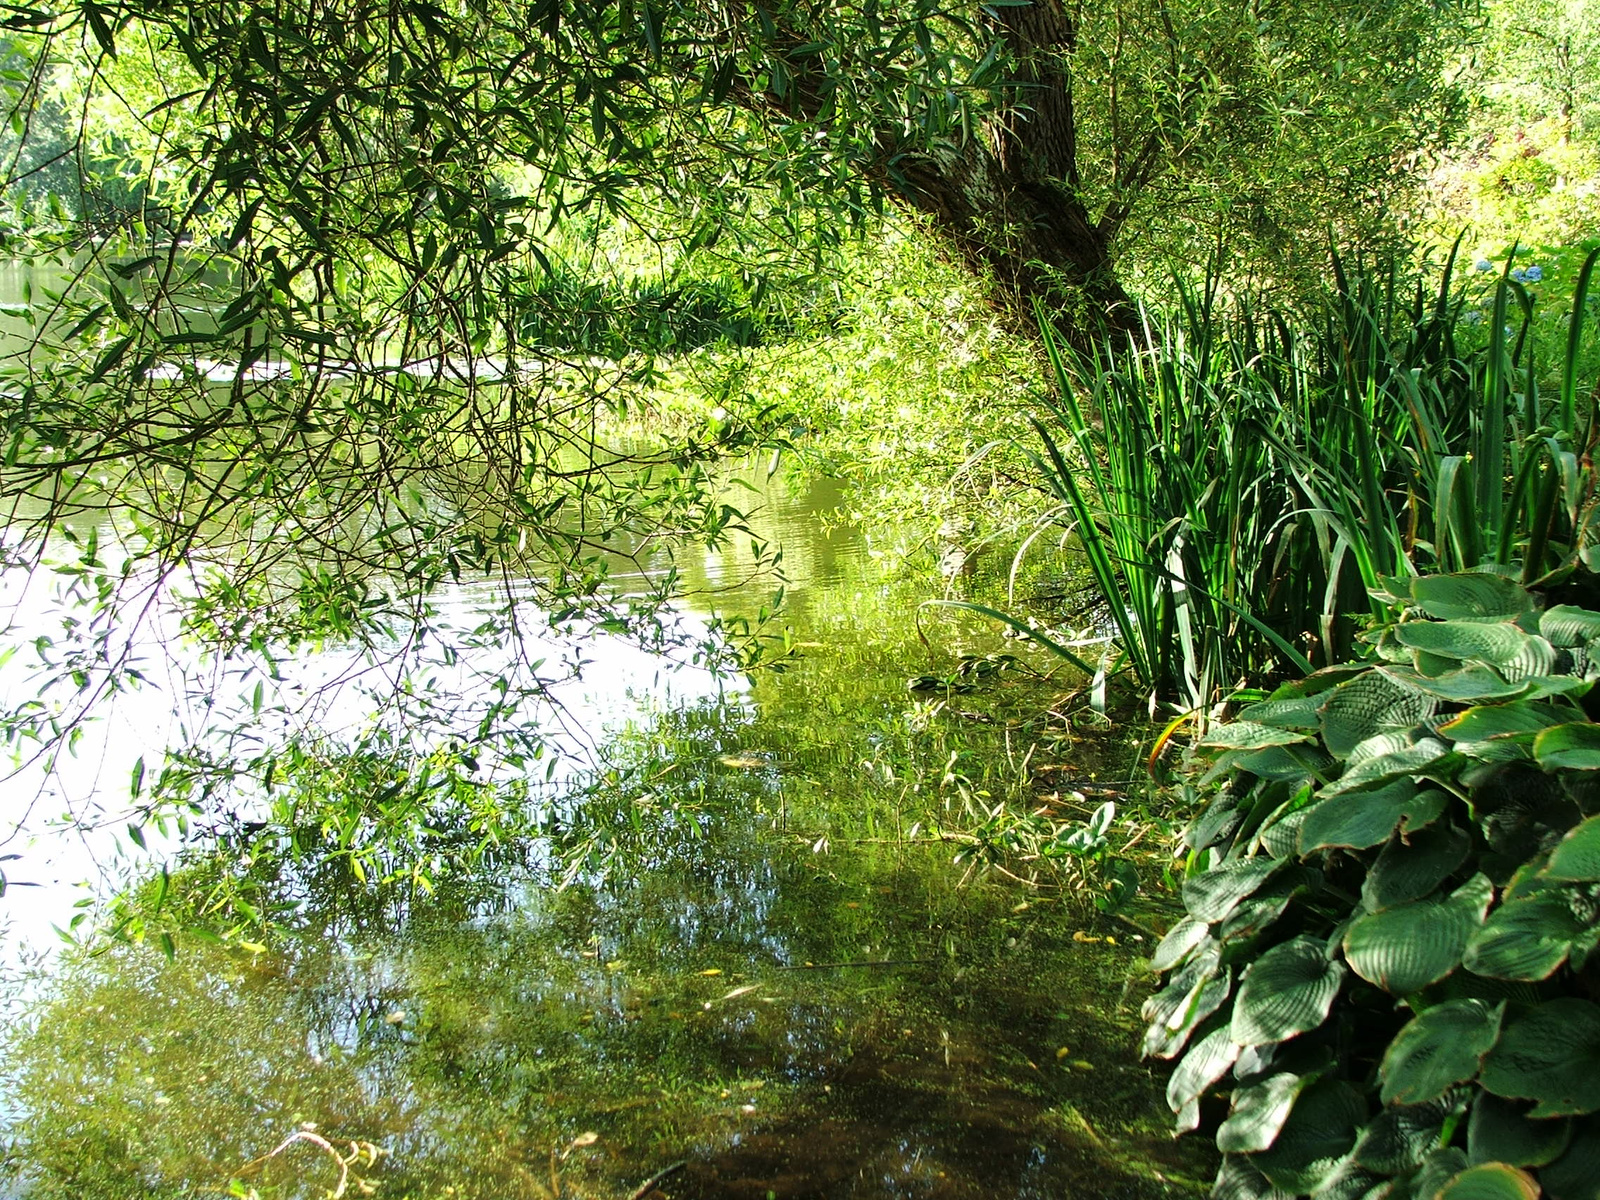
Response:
column 1392, row 935
column 1242, row 483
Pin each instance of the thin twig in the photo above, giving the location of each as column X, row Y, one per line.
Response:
column 868, row 962
column 649, row 1185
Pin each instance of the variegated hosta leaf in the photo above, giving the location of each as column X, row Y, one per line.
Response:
column 1425, row 755
column 1193, row 993
column 1237, row 1179
column 1212, row 895
column 1319, row 1133
column 1571, row 747
column 1248, row 735
column 1258, row 1114
column 1519, row 718
column 1207, row 1061
column 1400, row 1136
column 1299, row 712
column 1490, row 1181
column 1577, row 857
column 1470, row 685
column 1183, row 937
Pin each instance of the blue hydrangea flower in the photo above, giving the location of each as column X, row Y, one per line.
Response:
column 1533, row 274
column 1472, row 317
column 1519, row 274
column 1485, row 265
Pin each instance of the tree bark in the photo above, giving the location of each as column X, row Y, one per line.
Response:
column 1008, row 201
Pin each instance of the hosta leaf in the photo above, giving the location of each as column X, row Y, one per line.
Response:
column 1320, row 1131
column 1297, row 713
column 1469, row 594
column 1569, row 747
column 1577, row 856
column 1494, row 644
column 1505, row 720
column 1298, row 1056
column 1212, row 895
column 1522, row 811
column 1380, row 744
column 1214, row 822
column 1534, row 659
column 1208, row 1060
column 1551, row 1055
column 1411, row 866
column 1576, row 1174
column 1239, row 1180
column 1438, row 1169
column 1258, row 1113
column 1469, row 685
column 1501, row 1131
column 1490, row 1181
column 1193, row 994
column 1281, row 838
column 1179, row 940
column 1400, row 1136
column 1367, row 705
column 1351, row 1181
column 1287, row 991
column 1527, row 938
column 1365, row 818
column 1439, row 1048
column 1409, row 946
column 1568, row 626
column 1427, row 754
column 1255, row 913
column 1247, row 735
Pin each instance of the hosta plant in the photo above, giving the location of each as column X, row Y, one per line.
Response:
column 1386, row 983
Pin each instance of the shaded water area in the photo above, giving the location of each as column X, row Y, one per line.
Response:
column 767, row 972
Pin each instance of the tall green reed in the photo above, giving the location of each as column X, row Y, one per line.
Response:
column 1242, row 482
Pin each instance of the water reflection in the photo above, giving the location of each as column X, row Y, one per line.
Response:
column 690, row 1014
column 752, row 973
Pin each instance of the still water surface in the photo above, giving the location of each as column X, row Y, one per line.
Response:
column 770, row 986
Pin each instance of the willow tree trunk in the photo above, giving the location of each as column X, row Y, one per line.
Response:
column 1009, row 199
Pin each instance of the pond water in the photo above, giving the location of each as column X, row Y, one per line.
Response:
column 766, row 980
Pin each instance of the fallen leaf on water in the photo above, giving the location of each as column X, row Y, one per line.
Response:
column 1081, row 936
column 1063, row 1051
column 712, row 971
column 586, row 1139
column 739, row 991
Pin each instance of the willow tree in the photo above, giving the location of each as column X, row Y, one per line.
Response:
column 294, row 344
column 1043, row 140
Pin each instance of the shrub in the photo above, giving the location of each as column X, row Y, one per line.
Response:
column 1388, row 960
